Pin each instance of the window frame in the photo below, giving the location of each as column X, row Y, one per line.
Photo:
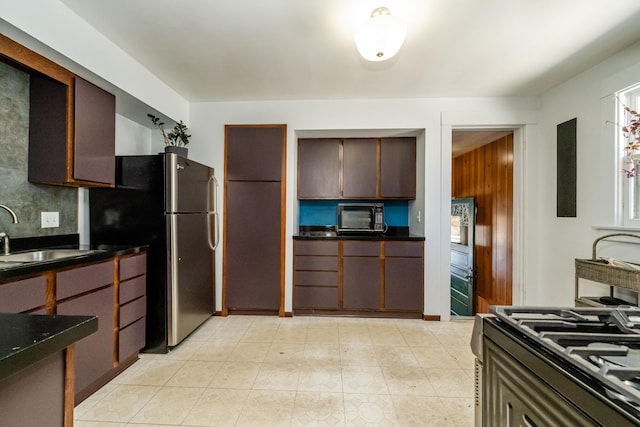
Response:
column 627, row 97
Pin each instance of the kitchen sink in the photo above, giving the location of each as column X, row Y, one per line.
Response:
column 42, row 256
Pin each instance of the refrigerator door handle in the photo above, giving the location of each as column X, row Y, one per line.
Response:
column 213, row 194
column 212, row 245
column 213, row 204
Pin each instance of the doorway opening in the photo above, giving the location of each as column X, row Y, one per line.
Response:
column 482, row 171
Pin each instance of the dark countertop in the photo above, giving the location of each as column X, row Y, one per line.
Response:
column 102, row 252
column 327, row 232
column 28, row 338
column 371, row 237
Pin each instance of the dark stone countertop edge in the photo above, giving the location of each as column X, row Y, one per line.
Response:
column 103, row 252
column 29, row 338
column 394, row 238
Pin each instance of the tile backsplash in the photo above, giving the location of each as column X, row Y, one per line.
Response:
column 324, row 212
column 26, row 199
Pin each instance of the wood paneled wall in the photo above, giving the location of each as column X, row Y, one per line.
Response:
column 487, row 174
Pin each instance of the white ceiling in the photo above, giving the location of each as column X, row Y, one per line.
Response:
column 211, row 50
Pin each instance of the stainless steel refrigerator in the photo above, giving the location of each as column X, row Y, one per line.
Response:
column 168, row 203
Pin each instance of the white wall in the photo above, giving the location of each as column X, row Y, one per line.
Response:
column 51, row 29
column 338, row 117
column 549, row 244
column 588, row 97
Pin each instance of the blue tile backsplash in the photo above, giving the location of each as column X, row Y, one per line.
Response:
column 324, row 212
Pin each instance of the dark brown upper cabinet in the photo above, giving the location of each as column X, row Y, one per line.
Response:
column 360, row 168
column 398, row 168
column 319, row 168
column 253, row 155
column 71, row 123
column 357, row 168
column 71, row 149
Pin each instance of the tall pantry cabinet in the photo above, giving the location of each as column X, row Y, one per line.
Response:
column 253, row 255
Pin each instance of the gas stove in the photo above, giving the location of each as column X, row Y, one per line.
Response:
column 586, row 356
column 603, row 342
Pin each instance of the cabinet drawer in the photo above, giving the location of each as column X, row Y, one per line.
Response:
column 315, row 297
column 23, row 295
column 132, row 289
column 360, row 248
column 83, row 279
column 132, row 311
column 316, row 247
column 403, row 249
column 133, row 266
column 317, row 263
column 131, row 339
column 316, row 278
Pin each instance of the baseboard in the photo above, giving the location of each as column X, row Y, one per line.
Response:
column 431, row 317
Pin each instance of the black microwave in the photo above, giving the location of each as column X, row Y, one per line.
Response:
column 361, row 217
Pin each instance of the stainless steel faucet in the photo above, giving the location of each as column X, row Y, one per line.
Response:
column 5, row 236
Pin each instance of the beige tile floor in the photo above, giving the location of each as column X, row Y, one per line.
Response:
column 301, row 371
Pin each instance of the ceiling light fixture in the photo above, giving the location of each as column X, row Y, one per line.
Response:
column 381, row 36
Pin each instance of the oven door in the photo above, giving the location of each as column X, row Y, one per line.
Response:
column 523, row 385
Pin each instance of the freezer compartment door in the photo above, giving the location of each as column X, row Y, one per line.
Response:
column 189, row 185
column 191, row 274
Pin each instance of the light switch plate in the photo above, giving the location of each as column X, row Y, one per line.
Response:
column 49, row 219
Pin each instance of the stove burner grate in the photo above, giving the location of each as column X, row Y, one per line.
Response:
column 604, row 343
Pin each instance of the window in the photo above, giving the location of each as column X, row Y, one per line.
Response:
column 630, row 186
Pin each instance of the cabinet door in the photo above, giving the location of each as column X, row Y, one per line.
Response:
column 94, row 354
column 253, row 233
column 361, row 283
column 359, row 168
column 252, row 245
column 398, row 168
column 255, row 153
column 48, row 139
column 361, row 268
column 403, row 284
column 318, row 168
column 34, row 396
column 95, row 134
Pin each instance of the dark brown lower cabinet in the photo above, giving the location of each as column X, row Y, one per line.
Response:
column 361, row 283
column 362, row 276
column 94, row 354
column 35, row 395
column 316, row 277
column 132, row 305
column 403, row 284
column 90, row 289
column 403, row 276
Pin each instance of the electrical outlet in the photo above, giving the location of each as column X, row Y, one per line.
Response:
column 49, row 219
column 418, row 217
